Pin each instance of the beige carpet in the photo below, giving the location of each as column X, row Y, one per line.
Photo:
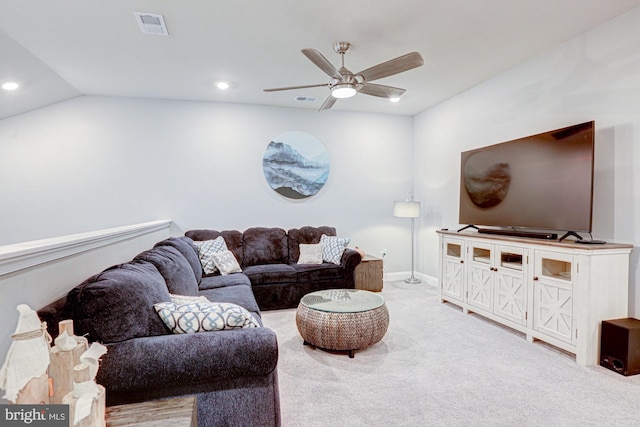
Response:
column 439, row 367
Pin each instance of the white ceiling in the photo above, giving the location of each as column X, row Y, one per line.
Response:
column 64, row 48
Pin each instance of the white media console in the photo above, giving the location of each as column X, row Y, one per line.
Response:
column 557, row 292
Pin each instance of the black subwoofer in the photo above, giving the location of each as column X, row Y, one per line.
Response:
column 620, row 346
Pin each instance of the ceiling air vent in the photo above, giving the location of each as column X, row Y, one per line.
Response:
column 306, row 98
column 151, row 23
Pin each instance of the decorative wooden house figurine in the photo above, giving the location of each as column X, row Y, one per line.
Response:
column 65, row 355
column 24, row 372
column 86, row 401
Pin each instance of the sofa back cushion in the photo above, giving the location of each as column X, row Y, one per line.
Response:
column 265, row 246
column 188, row 250
column 305, row 235
column 174, row 268
column 117, row 304
column 232, row 238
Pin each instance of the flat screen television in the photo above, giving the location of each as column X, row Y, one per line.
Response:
column 542, row 181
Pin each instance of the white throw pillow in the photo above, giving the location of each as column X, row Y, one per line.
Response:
column 310, row 254
column 187, row 299
column 200, row 317
column 206, row 249
column 226, row 263
column 333, row 247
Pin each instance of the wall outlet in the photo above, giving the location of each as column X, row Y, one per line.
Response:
column 383, row 253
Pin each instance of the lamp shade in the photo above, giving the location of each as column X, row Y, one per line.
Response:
column 406, row 209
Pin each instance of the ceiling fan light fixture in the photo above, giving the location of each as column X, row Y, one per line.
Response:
column 394, row 99
column 343, row 90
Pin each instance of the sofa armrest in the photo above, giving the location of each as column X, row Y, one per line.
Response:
column 171, row 365
column 349, row 261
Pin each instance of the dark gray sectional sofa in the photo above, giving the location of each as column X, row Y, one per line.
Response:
column 232, row 372
column 268, row 258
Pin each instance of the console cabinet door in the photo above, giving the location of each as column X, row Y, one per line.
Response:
column 553, row 295
column 452, row 282
column 510, row 290
column 480, row 275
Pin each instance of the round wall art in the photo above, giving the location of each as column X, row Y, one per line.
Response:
column 296, row 165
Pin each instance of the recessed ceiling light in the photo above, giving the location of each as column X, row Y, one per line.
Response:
column 396, row 99
column 222, row 85
column 10, row 86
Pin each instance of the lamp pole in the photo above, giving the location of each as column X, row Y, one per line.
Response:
column 412, row 279
column 409, row 209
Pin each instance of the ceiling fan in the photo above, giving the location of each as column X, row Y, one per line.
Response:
column 345, row 84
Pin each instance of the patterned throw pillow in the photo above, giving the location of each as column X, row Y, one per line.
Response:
column 226, row 263
column 206, row 249
column 310, row 254
column 333, row 247
column 187, row 299
column 200, row 317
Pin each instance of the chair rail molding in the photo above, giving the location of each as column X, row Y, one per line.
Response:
column 21, row 256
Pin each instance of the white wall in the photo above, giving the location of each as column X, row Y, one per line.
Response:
column 96, row 162
column 593, row 77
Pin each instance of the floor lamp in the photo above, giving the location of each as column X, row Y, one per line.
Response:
column 411, row 210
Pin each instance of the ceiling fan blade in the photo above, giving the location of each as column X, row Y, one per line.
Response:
column 328, row 103
column 294, row 87
column 381, row 90
column 394, row 66
column 321, row 62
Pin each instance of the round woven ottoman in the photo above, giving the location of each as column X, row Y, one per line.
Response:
column 342, row 319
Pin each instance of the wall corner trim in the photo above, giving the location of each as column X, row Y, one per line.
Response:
column 21, row 256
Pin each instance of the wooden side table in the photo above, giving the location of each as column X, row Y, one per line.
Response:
column 369, row 273
column 173, row 412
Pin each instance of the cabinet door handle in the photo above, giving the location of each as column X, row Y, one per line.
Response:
column 535, row 277
column 461, row 261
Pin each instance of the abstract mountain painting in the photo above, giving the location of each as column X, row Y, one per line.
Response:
column 296, row 165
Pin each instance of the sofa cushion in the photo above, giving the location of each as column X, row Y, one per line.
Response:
column 233, row 239
column 117, row 304
column 316, row 273
column 204, row 316
column 270, row 273
column 238, row 294
column 305, row 235
column 188, row 250
column 218, row 281
column 206, row 251
column 333, row 247
column 265, row 246
column 174, row 268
